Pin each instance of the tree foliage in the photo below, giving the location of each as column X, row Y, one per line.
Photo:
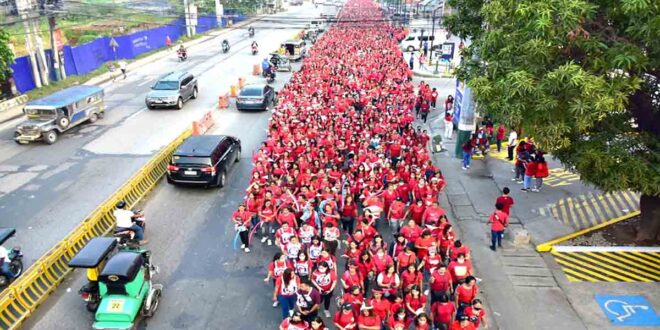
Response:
column 580, row 76
column 6, row 56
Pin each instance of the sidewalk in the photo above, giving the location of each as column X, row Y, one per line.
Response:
column 518, row 286
column 17, row 110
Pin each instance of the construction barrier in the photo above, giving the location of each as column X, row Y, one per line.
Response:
column 201, row 126
column 256, row 69
column 241, row 82
column 223, row 101
column 22, row 297
column 232, row 91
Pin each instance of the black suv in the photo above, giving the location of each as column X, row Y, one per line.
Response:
column 172, row 90
column 204, row 160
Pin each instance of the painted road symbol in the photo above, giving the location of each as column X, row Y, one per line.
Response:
column 628, row 310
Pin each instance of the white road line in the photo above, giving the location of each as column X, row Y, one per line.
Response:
column 144, row 82
column 135, row 114
column 563, row 248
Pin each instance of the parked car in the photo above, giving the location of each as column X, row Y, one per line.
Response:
column 172, row 90
column 255, row 97
column 204, row 160
column 412, row 42
column 54, row 114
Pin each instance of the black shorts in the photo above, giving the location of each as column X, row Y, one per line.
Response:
column 123, row 71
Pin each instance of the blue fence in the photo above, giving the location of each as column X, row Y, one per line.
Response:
column 90, row 56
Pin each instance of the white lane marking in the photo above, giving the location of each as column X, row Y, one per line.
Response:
column 135, row 114
column 144, row 82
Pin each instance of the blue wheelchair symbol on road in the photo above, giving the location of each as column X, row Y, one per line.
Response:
column 628, row 310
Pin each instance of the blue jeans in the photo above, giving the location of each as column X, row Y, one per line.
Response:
column 6, row 271
column 467, row 157
column 287, row 303
column 496, row 237
column 527, row 183
column 139, row 232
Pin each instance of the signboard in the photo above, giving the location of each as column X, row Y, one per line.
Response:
column 458, row 100
column 448, row 50
column 628, row 310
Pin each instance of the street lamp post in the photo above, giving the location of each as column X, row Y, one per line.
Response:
column 442, row 6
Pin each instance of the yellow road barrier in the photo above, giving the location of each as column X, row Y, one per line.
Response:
column 23, row 296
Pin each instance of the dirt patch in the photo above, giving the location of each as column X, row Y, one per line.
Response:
column 619, row 234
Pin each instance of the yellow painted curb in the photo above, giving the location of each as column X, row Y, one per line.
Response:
column 547, row 246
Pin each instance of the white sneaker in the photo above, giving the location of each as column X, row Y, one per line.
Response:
column 468, row 166
column 465, row 168
column 327, row 313
column 242, row 246
column 514, row 179
column 247, row 250
column 535, row 190
column 270, row 242
column 263, row 239
column 276, row 303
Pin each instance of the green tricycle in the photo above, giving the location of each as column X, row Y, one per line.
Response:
column 120, row 287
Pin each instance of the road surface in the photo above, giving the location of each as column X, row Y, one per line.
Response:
column 45, row 191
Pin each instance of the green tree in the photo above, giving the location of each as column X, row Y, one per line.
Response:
column 580, row 76
column 6, row 56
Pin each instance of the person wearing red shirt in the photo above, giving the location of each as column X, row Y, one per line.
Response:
column 417, row 211
column 352, row 276
column 440, row 283
column 459, row 269
column 499, row 137
column 295, row 322
column 542, row 171
column 277, row 267
column 506, row 200
column 331, row 236
column 325, row 281
column 406, row 258
column 466, row 293
column 431, row 261
column 349, row 213
column 242, row 220
column 381, row 306
column 345, row 318
column 368, row 320
column 411, row 277
column 399, row 318
column 422, row 322
column 476, row 314
column 423, row 244
column 288, row 217
column 499, row 221
column 411, row 231
column 284, row 234
column 396, row 214
column 432, row 214
column 389, row 196
column 530, row 172
column 355, row 297
column 389, row 281
column 442, row 312
column 459, row 247
column 285, row 291
column 382, row 260
column 415, row 301
column 267, row 215
column 462, row 323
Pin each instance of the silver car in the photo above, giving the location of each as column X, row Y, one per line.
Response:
column 172, row 90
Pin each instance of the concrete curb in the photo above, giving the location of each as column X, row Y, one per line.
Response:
column 548, row 246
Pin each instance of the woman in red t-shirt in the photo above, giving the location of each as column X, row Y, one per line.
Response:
column 325, row 281
column 417, row 210
column 422, row 322
column 345, row 319
column 411, row 277
column 389, row 281
column 267, row 215
column 368, row 320
column 415, row 301
column 466, row 293
column 349, row 213
column 476, row 314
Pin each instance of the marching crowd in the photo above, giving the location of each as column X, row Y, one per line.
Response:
column 345, row 189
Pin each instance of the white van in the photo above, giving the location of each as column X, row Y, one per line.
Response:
column 317, row 25
column 412, row 42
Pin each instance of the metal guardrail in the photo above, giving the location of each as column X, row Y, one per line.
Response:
column 22, row 297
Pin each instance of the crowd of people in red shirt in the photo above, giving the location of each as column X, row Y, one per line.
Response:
column 343, row 169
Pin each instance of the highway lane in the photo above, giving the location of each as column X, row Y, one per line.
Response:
column 46, row 190
column 207, row 284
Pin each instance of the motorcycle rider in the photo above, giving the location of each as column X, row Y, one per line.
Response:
column 125, row 220
column 4, row 260
column 225, row 45
column 255, row 46
column 251, row 31
column 182, row 52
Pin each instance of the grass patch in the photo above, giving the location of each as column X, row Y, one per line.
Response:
column 55, row 86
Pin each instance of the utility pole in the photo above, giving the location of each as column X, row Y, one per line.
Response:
column 41, row 55
column 23, row 9
column 190, row 12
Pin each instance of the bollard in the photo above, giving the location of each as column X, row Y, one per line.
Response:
column 256, row 70
column 241, row 82
column 232, row 91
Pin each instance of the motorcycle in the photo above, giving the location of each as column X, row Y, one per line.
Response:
column 225, row 46
column 183, row 55
column 251, row 32
column 254, row 50
column 15, row 258
column 126, row 235
column 270, row 78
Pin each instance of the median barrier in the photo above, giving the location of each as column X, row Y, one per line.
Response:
column 201, row 126
column 23, row 296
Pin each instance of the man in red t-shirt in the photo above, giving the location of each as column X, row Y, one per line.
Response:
column 505, row 200
column 499, row 221
column 443, row 312
column 396, row 214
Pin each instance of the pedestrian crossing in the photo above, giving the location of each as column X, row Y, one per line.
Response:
column 591, row 209
column 609, row 266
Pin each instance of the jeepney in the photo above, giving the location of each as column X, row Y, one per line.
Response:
column 52, row 115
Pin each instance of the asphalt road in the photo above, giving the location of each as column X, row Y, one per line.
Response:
column 45, row 191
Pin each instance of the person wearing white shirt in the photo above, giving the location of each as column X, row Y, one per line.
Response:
column 4, row 259
column 513, row 141
column 125, row 220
